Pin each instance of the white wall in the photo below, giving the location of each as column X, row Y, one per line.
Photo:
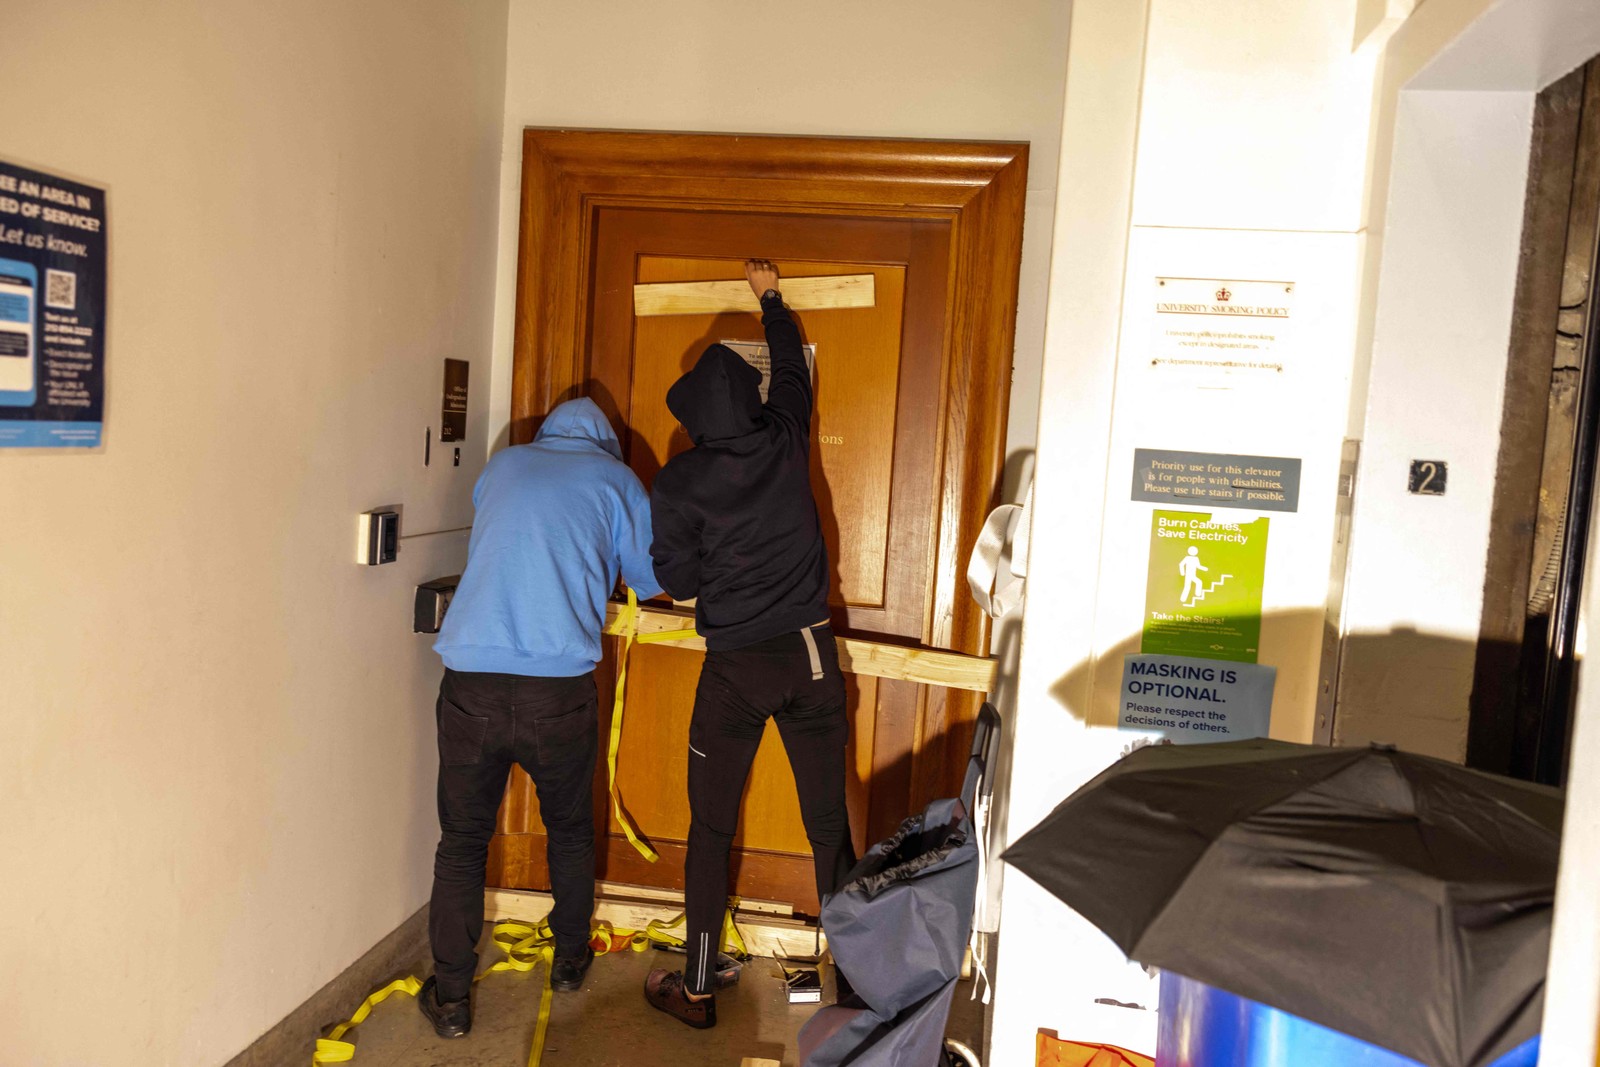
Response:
column 1297, row 414
column 1502, row 46
column 1052, row 964
column 1449, row 166
column 1572, row 985
column 1436, row 389
column 1251, row 165
column 1253, row 122
column 218, row 759
column 947, row 69
column 1460, row 74
column 1444, row 172
column 1249, row 162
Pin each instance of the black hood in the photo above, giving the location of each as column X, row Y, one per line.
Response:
column 719, row 398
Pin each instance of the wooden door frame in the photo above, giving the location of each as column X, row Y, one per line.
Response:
column 978, row 188
column 569, row 175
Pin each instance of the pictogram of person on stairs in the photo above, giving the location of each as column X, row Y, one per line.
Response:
column 1191, row 568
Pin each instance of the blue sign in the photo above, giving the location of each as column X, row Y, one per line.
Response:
column 1190, row 700
column 52, row 310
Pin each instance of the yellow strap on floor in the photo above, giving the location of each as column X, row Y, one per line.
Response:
column 656, row 933
column 627, row 627
column 332, row 1050
column 732, row 940
column 607, row 939
column 526, row 947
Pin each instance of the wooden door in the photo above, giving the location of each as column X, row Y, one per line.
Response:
column 909, row 423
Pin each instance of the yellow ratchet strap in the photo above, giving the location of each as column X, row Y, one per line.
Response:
column 657, row 932
column 331, row 1049
column 526, row 946
column 627, row 627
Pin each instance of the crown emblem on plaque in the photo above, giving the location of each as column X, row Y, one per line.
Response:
column 1223, row 295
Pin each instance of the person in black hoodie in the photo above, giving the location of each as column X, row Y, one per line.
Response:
column 735, row 526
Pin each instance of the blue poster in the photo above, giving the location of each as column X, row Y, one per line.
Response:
column 1190, row 700
column 52, row 310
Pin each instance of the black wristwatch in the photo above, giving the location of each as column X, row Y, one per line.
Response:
column 771, row 294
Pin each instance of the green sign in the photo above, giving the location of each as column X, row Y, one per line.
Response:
column 1203, row 594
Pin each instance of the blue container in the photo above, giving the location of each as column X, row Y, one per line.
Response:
column 1204, row 1027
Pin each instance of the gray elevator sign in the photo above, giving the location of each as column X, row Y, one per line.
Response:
column 1208, row 479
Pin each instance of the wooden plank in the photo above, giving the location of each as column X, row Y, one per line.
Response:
column 953, row 670
column 517, row 861
column 764, row 934
column 829, row 292
column 674, row 897
column 669, row 901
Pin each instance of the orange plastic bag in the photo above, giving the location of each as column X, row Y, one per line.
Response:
column 1054, row 1052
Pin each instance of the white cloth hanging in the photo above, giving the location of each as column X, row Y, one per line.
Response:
column 1007, row 523
column 983, row 567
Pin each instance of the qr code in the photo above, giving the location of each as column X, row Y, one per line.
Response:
column 61, row 290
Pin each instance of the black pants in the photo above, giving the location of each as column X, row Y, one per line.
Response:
column 738, row 692
column 487, row 722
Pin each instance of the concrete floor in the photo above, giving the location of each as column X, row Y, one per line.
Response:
column 607, row 1023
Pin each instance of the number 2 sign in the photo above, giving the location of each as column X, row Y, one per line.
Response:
column 1428, row 476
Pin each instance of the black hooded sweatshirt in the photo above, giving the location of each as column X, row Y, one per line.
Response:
column 733, row 518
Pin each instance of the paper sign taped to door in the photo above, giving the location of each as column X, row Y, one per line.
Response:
column 759, row 356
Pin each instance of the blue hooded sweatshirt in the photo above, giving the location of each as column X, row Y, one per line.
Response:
column 556, row 521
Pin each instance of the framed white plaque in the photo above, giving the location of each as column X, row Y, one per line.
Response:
column 1220, row 331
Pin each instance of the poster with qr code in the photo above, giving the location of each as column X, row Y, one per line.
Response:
column 52, row 310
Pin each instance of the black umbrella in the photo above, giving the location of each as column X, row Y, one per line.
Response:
column 1399, row 899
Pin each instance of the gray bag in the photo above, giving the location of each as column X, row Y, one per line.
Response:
column 898, row 929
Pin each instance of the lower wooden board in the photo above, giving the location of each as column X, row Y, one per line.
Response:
column 952, row 670
column 764, row 934
column 518, row 859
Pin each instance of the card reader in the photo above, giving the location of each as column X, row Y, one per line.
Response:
column 433, row 600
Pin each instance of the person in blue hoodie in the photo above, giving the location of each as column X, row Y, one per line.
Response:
column 556, row 522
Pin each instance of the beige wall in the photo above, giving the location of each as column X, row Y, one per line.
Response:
column 894, row 68
column 217, row 761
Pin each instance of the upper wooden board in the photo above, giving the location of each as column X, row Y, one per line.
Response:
column 714, row 298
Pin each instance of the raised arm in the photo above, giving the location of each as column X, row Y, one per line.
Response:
column 789, row 392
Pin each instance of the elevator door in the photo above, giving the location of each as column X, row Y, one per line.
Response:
column 907, row 425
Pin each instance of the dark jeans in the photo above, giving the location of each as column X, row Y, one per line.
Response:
column 738, row 692
column 487, row 722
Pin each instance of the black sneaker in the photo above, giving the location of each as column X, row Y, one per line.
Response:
column 665, row 992
column 450, row 1018
column 566, row 973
